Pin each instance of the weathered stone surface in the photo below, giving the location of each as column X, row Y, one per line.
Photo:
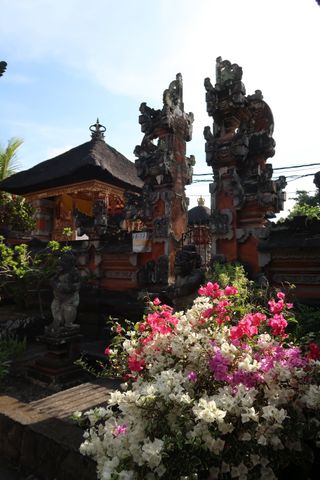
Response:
column 40, row 436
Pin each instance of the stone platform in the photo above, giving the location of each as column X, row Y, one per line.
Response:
column 41, row 438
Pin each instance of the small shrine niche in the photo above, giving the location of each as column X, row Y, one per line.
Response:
column 199, row 232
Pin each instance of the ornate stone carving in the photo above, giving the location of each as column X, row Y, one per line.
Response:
column 227, row 73
column 133, row 206
column 162, row 270
column 149, row 119
column 95, row 226
column 189, row 275
column 220, row 224
column 161, row 228
column 237, row 148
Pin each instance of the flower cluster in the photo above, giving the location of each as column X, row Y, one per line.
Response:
column 211, row 395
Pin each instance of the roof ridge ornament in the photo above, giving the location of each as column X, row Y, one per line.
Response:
column 97, row 131
column 201, row 201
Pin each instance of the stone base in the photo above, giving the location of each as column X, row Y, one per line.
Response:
column 56, row 369
column 56, row 379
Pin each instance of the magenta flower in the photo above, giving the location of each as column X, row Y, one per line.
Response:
column 192, row 376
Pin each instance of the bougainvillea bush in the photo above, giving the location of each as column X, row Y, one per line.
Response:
column 210, row 393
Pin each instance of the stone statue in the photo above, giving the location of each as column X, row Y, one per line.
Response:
column 66, row 285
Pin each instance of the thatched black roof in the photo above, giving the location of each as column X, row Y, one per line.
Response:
column 93, row 160
column 199, row 215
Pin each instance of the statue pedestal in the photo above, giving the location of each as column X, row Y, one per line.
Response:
column 56, row 368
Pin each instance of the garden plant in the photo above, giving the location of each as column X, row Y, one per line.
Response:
column 219, row 391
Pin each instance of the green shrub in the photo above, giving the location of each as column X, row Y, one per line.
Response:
column 10, row 347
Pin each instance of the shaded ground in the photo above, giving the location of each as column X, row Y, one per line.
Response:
column 12, row 472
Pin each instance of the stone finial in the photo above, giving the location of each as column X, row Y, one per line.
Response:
column 227, row 72
column 201, row 201
column 97, row 131
column 3, row 66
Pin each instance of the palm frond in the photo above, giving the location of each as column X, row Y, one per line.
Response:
column 8, row 158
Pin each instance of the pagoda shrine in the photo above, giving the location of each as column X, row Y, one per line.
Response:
column 81, row 180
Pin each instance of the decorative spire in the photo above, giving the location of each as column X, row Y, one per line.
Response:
column 201, row 201
column 97, row 131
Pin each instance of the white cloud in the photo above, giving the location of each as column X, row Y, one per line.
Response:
column 135, row 48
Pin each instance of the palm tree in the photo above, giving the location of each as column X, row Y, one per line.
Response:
column 8, row 157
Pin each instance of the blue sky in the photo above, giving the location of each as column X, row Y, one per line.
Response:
column 70, row 61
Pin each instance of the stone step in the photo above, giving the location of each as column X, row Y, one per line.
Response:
column 40, row 436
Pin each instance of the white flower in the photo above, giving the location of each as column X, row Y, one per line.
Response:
column 262, row 440
column 272, row 413
column 249, row 414
column 207, row 410
column 151, row 452
column 126, row 475
column 245, row 437
column 239, row 471
column 312, row 396
column 267, row 474
column 248, row 364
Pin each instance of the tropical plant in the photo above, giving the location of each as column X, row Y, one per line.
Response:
column 306, row 205
column 210, row 393
column 16, row 214
column 22, row 270
column 8, row 158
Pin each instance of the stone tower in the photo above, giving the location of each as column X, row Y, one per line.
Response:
column 237, row 148
column 165, row 169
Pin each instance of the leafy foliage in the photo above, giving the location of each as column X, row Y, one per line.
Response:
column 9, row 348
column 22, row 271
column 16, row 213
column 306, row 205
column 8, row 157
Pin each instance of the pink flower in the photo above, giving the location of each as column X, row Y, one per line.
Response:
column 278, row 324
column 108, row 351
column 247, row 326
column 211, row 290
column 230, row 290
column 120, row 430
column 314, row 353
column 118, row 328
column 134, row 364
column 280, row 295
column 156, row 301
